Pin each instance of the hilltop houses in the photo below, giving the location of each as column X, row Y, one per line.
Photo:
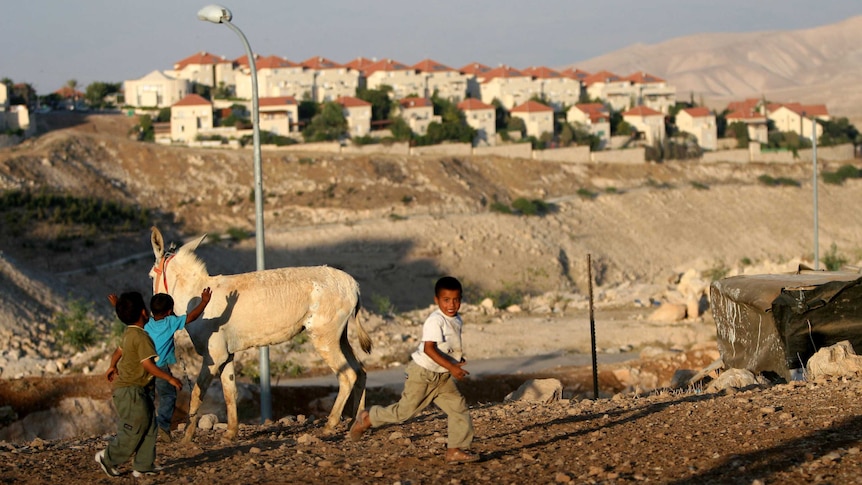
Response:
column 540, row 96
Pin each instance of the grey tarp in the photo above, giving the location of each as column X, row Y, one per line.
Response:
column 776, row 322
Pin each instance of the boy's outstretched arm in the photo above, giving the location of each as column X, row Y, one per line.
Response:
column 457, row 370
column 151, row 367
column 196, row 312
column 111, row 373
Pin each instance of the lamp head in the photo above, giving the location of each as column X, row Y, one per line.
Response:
column 215, row 14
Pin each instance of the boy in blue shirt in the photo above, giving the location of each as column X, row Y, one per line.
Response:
column 161, row 328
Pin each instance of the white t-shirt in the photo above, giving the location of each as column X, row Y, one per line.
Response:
column 446, row 332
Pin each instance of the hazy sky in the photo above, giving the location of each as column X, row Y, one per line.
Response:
column 48, row 42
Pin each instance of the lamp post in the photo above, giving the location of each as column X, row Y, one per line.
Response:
column 221, row 15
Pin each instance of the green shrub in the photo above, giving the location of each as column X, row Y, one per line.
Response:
column 531, row 207
column 586, row 194
column 383, row 305
column 839, row 176
column 776, row 182
column 699, row 185
column 238, row 234
column 832, row 260
column 718, row 271
column 500, row 207
column 75, row 328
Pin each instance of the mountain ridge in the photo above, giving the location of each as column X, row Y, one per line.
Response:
column 819, row 65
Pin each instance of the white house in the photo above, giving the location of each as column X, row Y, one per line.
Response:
column 482, row 118
column 538, row 118
column 418, row 113
column 797, row 118
column 206, row 69
column 647, row 121
column 474, row 72
column 617, row 92
column 357, row 113
column 700, row 122
column 155, row 90
column 555, row 88
column 593, row 117
column 331, row 80
column 276, row 77
column 189, row 116
column 508, row 85
column 404, row 80
column 278, row 115
column 446, row 82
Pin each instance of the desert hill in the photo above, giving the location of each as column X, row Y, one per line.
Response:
column 396, row 223
column 818, row 65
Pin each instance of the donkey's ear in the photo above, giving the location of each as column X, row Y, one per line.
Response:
column 201, row 241
column 158, row 243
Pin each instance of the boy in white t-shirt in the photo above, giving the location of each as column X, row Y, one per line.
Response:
column 429, row 373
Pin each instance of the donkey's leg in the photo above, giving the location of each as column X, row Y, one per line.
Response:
column 228, row 385
column 328, row 346
column 198, row 391
column 356, row 401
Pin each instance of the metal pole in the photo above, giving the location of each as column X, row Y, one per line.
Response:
column 814, row 172
column 593, row 331
column 265, row 388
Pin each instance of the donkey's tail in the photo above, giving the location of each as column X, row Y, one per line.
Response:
column 364, row 339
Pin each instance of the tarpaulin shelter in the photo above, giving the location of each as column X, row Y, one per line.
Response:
column 776, row 322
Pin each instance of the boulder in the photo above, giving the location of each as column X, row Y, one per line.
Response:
column 538, row 390
column 834, row 361
column 733, row 378
column 669, row 312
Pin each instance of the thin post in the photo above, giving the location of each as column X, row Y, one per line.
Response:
column 593, row 330
column 814, row 174
column 265, row 387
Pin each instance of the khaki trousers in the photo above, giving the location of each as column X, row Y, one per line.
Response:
column 136, row 430
column 421, row 388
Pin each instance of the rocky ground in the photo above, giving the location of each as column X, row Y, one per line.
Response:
column 803, row 432
column 655, row 234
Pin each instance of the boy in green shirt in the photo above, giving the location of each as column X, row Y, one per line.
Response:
column 136, row 427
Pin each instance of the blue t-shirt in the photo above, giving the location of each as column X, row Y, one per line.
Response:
column 162, row 333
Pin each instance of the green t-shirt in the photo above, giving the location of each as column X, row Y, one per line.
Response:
column 137, row 347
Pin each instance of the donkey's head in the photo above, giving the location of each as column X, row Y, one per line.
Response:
column 159, row 273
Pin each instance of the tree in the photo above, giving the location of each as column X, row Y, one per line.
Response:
column 740, row 132
column 400, row 129
column 380, row 99
column 96, row 93
column 327, row 125
column 838, row 131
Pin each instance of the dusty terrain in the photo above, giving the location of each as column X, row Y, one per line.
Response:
column 396, row 224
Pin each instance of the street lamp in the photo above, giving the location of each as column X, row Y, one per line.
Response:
column 221, row 15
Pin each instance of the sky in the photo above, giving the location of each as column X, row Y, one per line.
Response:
column 48, row 42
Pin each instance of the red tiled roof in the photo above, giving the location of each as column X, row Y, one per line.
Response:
column 799, row 108
column 415, row 102
column 745, row 115
column 748, row 105
column 575, row 74
column 531, row 107
column 542, row 72
column 642, row 111
column 430, row 65
column 595, row 111
column 601, row 77
column 502, row 71
column 386, row 65
column 360, row 63
column 319, row 63
column 644, row 78
column 276, row 101
column 66, row 92
column 475, row 69
column 351, row 102
column 192, row 100
column 473, row 103
column 202, row 58
column 273, row 62
column 698, row 112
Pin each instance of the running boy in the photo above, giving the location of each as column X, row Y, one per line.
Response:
column 429, row 373
column 132, row 394
column 161, row 328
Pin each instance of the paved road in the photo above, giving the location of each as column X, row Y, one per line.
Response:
column 509, row 365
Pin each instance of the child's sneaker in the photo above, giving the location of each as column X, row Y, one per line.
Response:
column 110, row 471
column 154, row 471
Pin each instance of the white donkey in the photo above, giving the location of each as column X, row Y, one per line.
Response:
column 263, row 308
